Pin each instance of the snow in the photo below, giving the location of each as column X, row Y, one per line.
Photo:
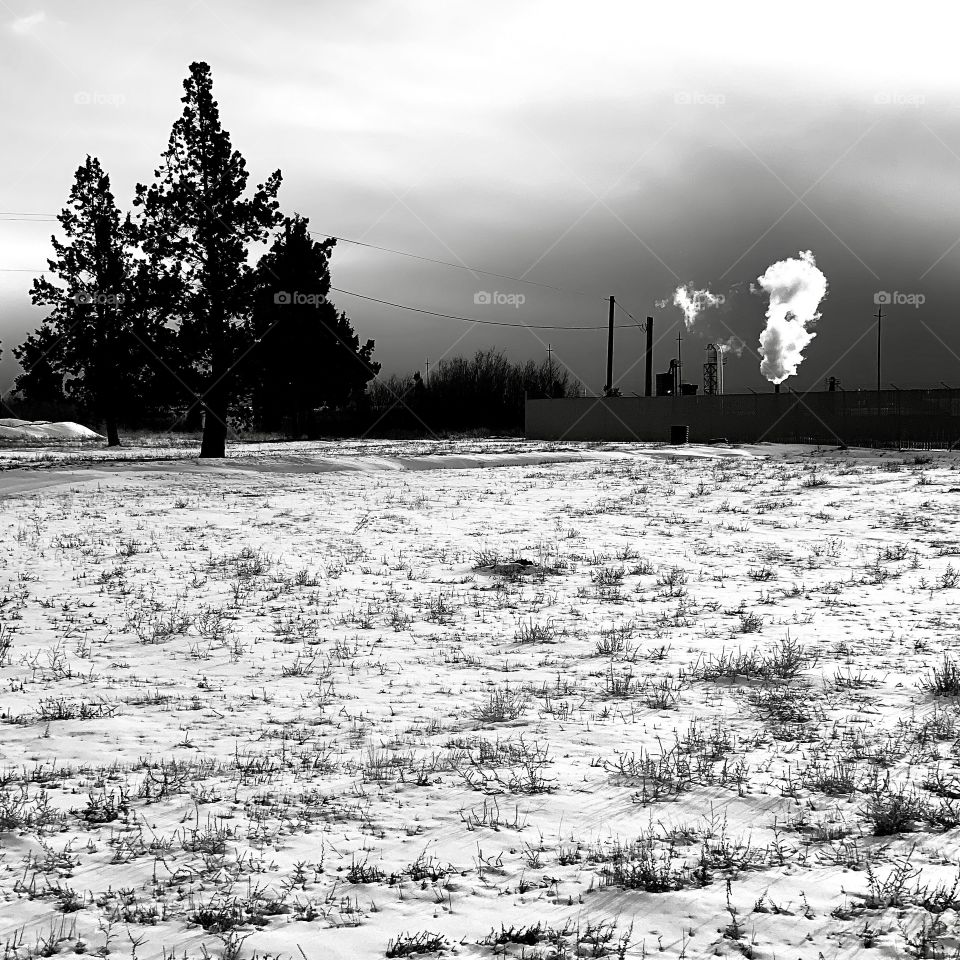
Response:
column 11, row 429
column 234, row 686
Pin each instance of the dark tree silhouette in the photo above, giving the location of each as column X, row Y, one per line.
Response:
column 3, row 405
column 307, row 354
column 41, row 380
column 85, row 350
column 196, row 227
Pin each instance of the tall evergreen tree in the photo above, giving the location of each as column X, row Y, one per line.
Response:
column 85, row 339
column 196, row 227
column 307, row 353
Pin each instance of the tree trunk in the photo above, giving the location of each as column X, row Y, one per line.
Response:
column 216, row 401
column 113, row 436
column 108, row 400
column 214, row 443
column 193, row 419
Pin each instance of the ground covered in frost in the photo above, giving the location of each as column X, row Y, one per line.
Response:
column 483, row 700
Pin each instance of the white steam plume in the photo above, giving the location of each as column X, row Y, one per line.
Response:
column 692, row 301
column 795, row 287
column 733, row 344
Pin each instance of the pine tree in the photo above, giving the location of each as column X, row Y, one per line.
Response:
column 307, row 353
column 196, row 227
column 85, row 341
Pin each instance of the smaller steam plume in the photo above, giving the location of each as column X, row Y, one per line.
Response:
column 692, row 302
column 795, row 286
column 733, row 344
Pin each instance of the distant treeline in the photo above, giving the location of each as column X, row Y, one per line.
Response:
column 485, row 392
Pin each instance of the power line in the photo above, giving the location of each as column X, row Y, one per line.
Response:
column 487, row 273
column 27, row 217
column 458, row 266
column 450, row 316
column 430, row 313
column 639, row 323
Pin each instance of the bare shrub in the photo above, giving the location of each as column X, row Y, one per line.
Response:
column 943, row 680
column 501, row 706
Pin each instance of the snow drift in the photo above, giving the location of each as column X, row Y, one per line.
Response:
column 45, row 430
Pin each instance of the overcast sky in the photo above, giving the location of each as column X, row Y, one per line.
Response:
column 602, row 148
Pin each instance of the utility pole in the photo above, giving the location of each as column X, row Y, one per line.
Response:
column 550, row 369
column 609, row 387
column 426, row 364
column 648, row 391
column 879, row 330
column 679, row 363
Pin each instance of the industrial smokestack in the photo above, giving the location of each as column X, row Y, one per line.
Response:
column 649, row 384
column 776, row 388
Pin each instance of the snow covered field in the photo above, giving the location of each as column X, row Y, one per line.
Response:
column 309, row 704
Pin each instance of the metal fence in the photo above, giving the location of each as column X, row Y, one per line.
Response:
column 888, row 418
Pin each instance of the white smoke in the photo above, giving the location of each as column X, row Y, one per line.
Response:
column 692, row 301
column 795, row 287
column 733, row 344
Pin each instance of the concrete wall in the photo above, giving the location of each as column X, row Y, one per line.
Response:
column 868, row 417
